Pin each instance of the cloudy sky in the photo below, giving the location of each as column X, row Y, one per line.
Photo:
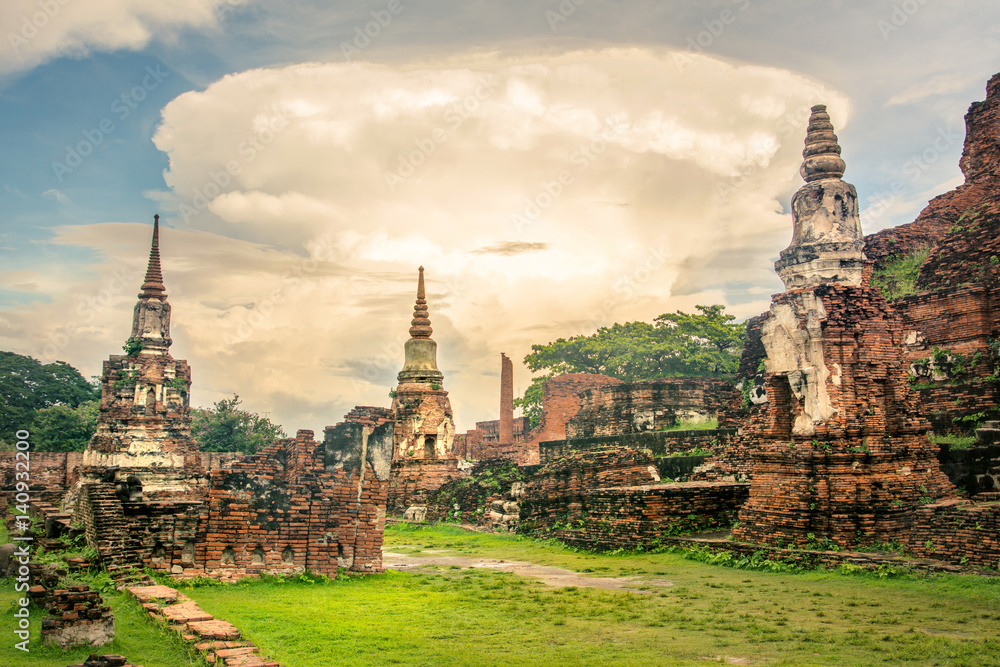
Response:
column 555, row 165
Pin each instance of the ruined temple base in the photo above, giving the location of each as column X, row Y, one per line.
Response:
column 802, row 492
column 643, row 516
column 839, row 447
column 411, row 481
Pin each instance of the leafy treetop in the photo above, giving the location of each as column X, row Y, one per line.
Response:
column 703, row 344
column 227, row 428
column 27, row 385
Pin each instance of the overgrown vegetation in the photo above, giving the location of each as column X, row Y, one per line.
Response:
column 227, row 428
column 52, row 401
column 681, row 611
column 487, row 478
column 898, row 277
column 133, row 346
column 954, row 441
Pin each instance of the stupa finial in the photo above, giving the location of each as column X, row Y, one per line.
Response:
column 822, row 151
column 827, row 243
column 153, row 285
column 420, row 326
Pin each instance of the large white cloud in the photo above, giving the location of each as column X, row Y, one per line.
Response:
column 546, row 195
column 36, row 31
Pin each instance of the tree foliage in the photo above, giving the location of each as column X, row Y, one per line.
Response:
column 226, row 428
column 703, row 344
column 27, row 386
column 60, row 428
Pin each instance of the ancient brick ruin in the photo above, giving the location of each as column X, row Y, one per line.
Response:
column 423, row 456
column 826, row 438
column 77, row 616
column 840, row 388
column 147, row 498
column 840, row 449
column 651, row 405
column 951, row 322
column 145, row 416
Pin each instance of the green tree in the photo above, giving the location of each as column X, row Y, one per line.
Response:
column 703, row 344
column 27, row 385
column 226, row 428
column 60, row 428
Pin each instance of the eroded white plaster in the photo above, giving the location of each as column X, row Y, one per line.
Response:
column 796, row 352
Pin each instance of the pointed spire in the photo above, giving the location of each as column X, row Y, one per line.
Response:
column 421, row 323
column 153, row 286
column 822, row 152
column 827, row 243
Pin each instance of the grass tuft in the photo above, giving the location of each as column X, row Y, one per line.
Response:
column 898, row 278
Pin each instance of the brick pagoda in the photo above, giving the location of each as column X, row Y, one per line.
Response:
column 424, row 433
column 145, row 413
column 840, row 451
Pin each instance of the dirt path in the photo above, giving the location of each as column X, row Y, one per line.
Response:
column 556, row 577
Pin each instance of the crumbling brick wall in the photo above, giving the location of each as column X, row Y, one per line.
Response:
column 647, row 406
column 560, row 403
column 301, row 505
column 556, row 493
column 52, row 473
column 656, row 443
column 634, row 516
column 860, row 476
column 959, row 532
column 296, row 505
column 100, row 511
column 77, row 617
column 958, row 323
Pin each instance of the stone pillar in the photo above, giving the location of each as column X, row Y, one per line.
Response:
column 506, row 401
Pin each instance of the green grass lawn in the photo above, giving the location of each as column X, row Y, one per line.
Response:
column 709, row 613
column 136, row 637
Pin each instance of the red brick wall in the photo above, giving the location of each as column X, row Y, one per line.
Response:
column 560, row 403
column 556, row 493
column 647, row 406
column 960, row 321
column 629, row 517
column 50, row 474
column 958, row 532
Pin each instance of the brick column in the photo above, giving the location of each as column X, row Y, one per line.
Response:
column 506, row 401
